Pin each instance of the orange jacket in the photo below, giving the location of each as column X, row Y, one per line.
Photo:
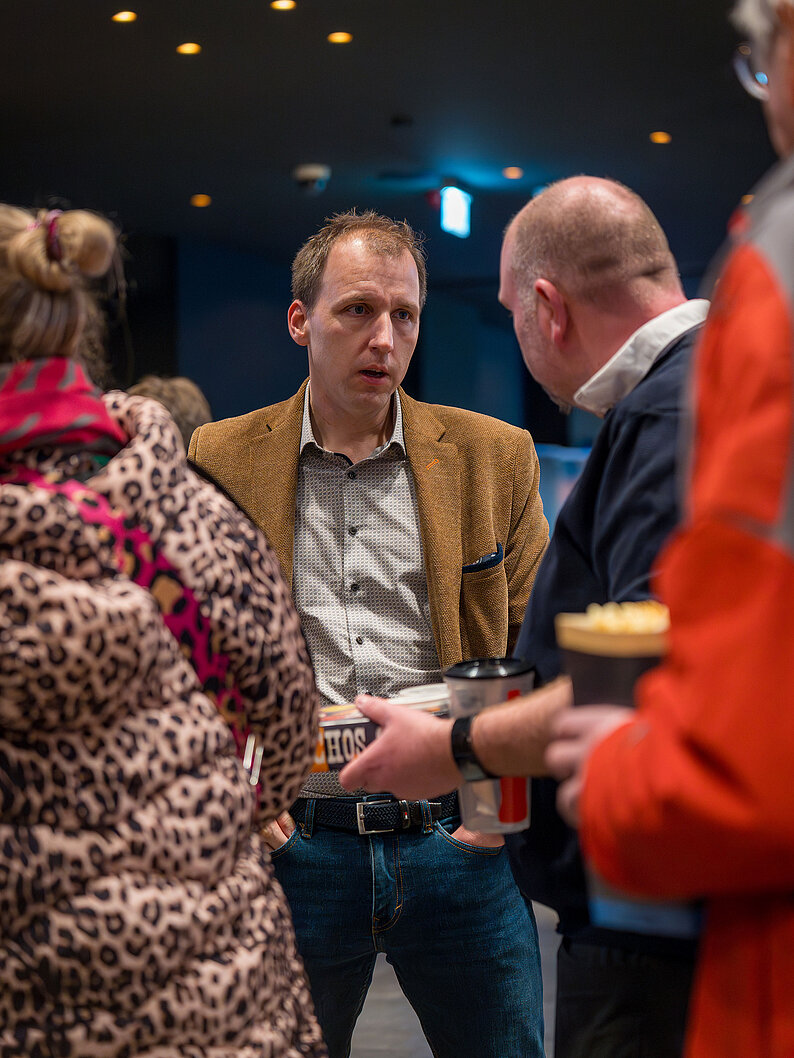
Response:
column 694, row 798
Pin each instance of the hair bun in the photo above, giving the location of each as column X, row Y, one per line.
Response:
column 86, row 241
column 60, row 247
column 47, row 306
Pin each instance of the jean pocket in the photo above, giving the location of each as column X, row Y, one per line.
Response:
column 290, row 843
column 465, row 846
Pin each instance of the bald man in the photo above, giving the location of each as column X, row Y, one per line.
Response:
column 604, row 325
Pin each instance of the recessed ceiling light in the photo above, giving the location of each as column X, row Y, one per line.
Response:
column 747, row 199
column 200, row 201
column 189, row 49
column 282, row 5
column 124, row 16
column 513, row 172
column 341, row 37
column 660, row 137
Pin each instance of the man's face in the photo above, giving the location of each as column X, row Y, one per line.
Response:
column 543, row 360
column 362, row 331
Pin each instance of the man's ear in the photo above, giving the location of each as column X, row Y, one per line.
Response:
column 785, row 17
column 552, row 311
column 298, row 323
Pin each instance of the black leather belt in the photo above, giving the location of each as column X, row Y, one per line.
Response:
column 371, row 817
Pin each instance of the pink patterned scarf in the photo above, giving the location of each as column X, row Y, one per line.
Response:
column 51, row 403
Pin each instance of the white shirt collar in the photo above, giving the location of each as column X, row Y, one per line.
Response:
column 635, row 358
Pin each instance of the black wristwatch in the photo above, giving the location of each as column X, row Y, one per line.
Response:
column 463, row 751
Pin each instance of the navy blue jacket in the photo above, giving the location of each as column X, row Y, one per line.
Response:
column 606, row 539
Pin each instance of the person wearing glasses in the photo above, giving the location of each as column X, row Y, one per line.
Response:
column 690, row 797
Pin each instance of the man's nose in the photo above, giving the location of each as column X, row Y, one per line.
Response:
column 382, row 333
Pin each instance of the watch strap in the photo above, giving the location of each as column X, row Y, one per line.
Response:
column 463, row 751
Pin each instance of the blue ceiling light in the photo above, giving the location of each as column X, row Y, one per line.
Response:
column 455, row 211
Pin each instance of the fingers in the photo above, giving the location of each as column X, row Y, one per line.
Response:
column 563, row 757
column 354, row 776
column 568, row 800
column 287, row 824
column 277, row 832
column 594, row 721
column 476, row 837
column 575, row 732
column 410, row 757
column 359, row 773
column 376, row 709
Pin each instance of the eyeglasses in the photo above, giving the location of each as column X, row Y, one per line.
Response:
column 751, row 76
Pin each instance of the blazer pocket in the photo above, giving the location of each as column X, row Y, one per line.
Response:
column 484, row 612
column 486, row 561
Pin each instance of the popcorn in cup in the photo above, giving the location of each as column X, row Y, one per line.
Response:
column 605, row 651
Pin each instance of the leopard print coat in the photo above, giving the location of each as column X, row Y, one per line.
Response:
column 139, row 915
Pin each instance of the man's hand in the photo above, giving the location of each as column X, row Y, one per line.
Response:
column 411, row 758
column 574, row 734
column 477, row 837
column 277, row 833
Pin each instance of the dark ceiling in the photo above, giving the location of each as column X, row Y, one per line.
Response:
column 108, row 115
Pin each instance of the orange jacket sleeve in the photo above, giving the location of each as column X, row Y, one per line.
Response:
column 693, row 798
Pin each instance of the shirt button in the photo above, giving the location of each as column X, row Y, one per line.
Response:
column 352, row 530
column 352, row 475
column 354, row 587
column 359, row 640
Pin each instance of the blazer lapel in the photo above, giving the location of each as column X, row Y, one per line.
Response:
column 436, row 473
column 273, row 473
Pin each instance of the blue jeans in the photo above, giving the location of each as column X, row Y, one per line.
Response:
column 450, row 919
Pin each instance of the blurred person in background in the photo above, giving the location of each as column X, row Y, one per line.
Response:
column 188, row 406
column 691, row 796
column 146, row 633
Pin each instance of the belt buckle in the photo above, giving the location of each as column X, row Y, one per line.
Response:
column 364, row 829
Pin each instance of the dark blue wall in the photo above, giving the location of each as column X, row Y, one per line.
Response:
column 232, row 328
column 233, row 340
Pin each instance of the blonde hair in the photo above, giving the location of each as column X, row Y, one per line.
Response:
column 47, row 260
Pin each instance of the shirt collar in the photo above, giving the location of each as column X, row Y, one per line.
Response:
column 635, row 358
column 397, row 434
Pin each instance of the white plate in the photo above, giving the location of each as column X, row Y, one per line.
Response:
column 425, row 693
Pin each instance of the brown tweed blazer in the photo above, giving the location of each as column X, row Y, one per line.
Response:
column 476, row 484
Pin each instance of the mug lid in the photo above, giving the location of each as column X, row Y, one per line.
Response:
column 487, row 668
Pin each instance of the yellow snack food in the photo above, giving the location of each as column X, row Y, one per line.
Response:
column 627, row 629
column 637, row 617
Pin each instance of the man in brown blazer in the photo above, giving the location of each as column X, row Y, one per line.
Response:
column 411, row 534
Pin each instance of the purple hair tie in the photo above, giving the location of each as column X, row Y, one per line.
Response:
column 53, row 242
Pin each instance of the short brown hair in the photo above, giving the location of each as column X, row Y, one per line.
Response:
column 382, row 234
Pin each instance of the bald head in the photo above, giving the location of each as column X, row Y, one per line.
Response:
column 584, row 265
column 596, row 240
